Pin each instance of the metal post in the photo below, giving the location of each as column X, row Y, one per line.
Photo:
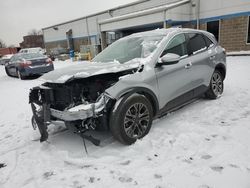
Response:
column 197, row 14
column 87, row 27
column 103, row 40
column 164, row 19
column 44, row 43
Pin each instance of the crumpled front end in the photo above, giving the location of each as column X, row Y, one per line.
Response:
column 80, row 102
column 62, row 103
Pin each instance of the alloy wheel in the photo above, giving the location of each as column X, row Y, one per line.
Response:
column 217, row 84
column 136, row 120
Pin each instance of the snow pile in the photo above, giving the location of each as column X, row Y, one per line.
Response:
column 238, row 53
column 203, row 145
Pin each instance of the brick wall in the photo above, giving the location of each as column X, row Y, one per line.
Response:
column 5, row 51
column 233, row 33
column 203, row 26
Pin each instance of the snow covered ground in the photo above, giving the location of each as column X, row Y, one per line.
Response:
column 203, row 145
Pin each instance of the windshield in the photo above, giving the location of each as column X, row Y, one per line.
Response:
column 129, row 48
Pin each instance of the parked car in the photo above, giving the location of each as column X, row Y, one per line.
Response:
column 5, row 59
column 134, row 80
column 32, row 50
column 25, row 64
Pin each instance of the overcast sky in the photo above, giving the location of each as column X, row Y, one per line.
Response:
column 18, row 17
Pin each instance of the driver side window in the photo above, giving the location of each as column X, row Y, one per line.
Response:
column 177, row 45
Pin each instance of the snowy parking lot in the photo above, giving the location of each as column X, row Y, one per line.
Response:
column 204, row 145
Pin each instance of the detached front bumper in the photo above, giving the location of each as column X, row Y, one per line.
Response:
column 41, row 99
column 82, row 111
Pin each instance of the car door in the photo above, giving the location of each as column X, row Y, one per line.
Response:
column 174, row 80
column 199, row 56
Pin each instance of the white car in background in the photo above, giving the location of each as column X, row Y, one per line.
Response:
column 5, row 59
column 32, row 50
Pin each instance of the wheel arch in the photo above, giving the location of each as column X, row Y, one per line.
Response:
column 147, row 93
column 222, row 69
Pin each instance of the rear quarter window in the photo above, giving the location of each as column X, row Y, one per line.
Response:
column 196, row 43
column 209, row 43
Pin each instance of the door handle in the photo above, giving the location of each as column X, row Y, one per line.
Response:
column 212, row 57
column 188, row 66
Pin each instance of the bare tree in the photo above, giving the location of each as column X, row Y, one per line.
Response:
column 2, row 44
column 34, row 32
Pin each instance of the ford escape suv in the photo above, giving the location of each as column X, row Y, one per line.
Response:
column 134, row 80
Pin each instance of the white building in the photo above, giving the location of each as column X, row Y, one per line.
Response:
column 228, row 20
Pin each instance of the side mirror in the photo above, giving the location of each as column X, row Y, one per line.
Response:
column 169, row 59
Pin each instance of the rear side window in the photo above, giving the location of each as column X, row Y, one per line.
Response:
column 196, row 43
column 176, row 46
column 209, row 43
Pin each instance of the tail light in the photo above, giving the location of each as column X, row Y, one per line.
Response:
column 49, row 61
column 26, row 63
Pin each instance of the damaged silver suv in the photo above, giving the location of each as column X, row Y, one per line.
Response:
column 134, row 80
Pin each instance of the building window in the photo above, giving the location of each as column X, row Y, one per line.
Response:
column 248, row 31
column 214, row 28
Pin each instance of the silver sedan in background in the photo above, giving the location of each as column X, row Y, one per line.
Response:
column 5, row 59
column 22, row 65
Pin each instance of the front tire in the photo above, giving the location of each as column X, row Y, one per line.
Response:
column 216, row 86
column 132, row 119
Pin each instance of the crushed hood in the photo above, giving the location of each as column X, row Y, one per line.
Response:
column 87, row 69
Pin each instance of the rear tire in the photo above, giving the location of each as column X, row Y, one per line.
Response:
column 132, row 119
column 216, row 86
